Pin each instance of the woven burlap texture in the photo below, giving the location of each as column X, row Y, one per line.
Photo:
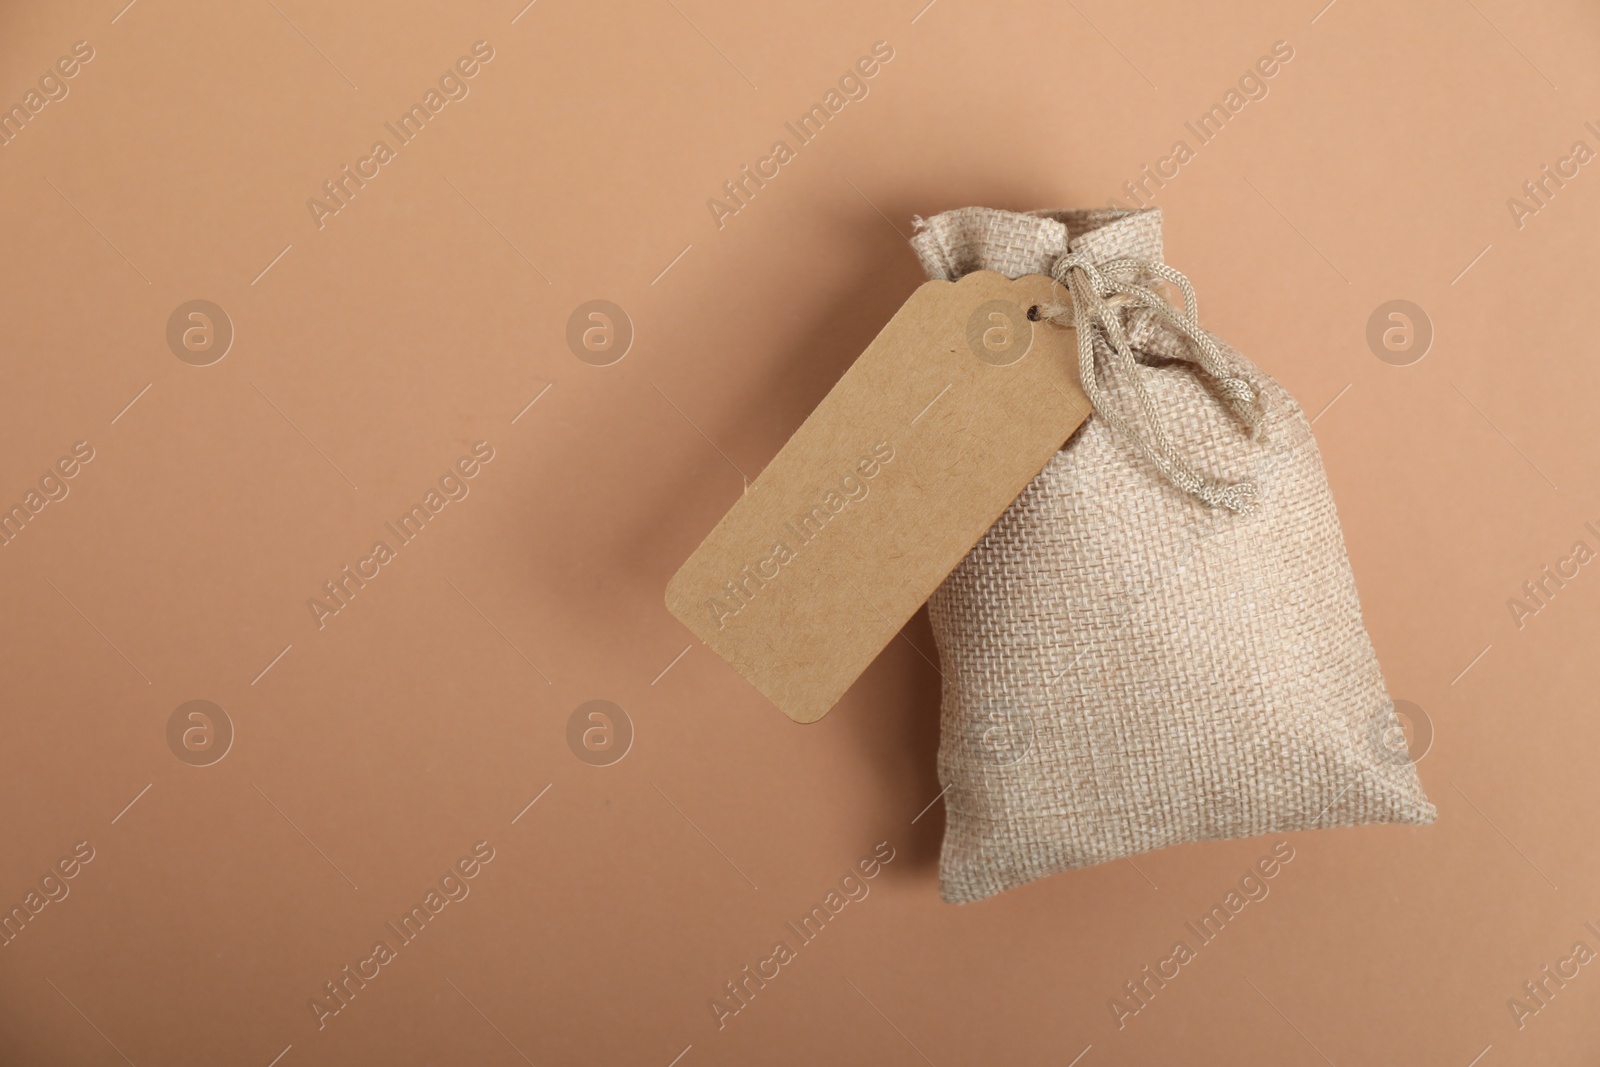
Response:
column 1127, row 669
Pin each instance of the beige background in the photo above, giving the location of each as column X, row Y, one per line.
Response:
column 369, row 354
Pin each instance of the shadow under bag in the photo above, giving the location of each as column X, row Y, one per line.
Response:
column 1160, row 640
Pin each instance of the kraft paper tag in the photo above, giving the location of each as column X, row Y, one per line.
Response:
column 947, row 416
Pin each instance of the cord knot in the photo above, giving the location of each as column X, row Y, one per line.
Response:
column 1099, row 291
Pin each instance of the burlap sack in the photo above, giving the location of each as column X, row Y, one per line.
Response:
column 1126, row 666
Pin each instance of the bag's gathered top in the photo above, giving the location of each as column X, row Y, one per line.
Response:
column 1099, row 292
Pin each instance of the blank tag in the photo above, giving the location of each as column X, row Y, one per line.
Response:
column 947, row 416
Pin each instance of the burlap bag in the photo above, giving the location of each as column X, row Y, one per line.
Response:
column 1160, row 640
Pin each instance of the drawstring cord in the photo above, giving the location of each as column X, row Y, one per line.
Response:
column 1098, row 291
